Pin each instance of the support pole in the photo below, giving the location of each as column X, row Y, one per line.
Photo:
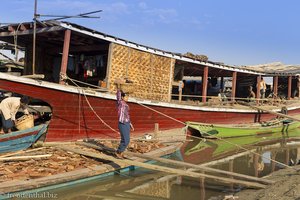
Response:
column 204, row 84
column 258, row 88
column 298, row 85
column 289, row 88
column 65, row 56
column 275, row 85
column 234, row 77
column 34, row 37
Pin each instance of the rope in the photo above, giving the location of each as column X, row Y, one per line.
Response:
column 92, row 107
column 219, row 138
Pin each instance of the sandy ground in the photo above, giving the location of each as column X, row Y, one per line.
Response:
column 287, row 187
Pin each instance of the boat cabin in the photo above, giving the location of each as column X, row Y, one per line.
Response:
column 95, row 59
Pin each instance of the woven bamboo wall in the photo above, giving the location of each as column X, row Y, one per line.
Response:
column 150, row 73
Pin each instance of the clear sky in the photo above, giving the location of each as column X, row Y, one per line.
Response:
column 236, row 32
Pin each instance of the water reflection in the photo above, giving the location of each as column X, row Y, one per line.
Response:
column 265, row 155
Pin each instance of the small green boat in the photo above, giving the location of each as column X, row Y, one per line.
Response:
column 238, row 130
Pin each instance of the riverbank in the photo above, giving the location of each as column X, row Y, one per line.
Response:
column 286, row 187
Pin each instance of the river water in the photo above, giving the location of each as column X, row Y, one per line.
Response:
column 268, row 153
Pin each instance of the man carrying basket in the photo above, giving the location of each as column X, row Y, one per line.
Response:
column 9, row 108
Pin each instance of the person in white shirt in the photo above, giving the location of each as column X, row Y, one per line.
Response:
column 263, row 88
column 9, row 108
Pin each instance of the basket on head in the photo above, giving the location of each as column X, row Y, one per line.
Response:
column 25, row 122
column 127, row 88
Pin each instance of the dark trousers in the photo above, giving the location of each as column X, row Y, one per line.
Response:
column 124, row 129
column 6, row 124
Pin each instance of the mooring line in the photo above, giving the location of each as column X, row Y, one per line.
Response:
column 172, row 118
column 92, row 107
column 219, row 138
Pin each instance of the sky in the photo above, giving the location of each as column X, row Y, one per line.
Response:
column 235, row 32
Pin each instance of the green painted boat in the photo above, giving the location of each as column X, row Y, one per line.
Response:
column 238, row 130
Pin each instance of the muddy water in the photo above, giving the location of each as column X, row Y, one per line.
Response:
column 272, row 152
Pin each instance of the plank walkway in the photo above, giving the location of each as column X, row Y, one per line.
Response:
column 182, row 164
column 180, row 172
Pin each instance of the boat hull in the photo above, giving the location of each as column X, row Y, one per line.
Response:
column 20, row 140
column 235, row 131
column 77, row 114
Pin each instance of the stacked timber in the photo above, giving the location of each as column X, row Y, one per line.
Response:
column 35, row 165
column 202, row 58
column 52, row 160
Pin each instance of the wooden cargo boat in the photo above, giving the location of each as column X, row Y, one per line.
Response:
column 81, row 95
column 239, row 130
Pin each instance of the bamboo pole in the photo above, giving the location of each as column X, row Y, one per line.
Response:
column 20, row 158
column 269, row 111
column 21, row 152
column 164, row 169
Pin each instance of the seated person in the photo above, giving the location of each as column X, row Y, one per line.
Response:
column 222, row 96
column 251, row 94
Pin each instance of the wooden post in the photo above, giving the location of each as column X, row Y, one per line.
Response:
column 275, row 85
column 289, row 94
column 202, row 188
column 231, row 170
column 222, row 83
column 172, row 63
column 273, row 157
column 234, row 77
column 258, row 88
column 287, row 156
column 298, row 86
column 65, row 55
column 156, row 130
column 255, row 163
column 204, row 84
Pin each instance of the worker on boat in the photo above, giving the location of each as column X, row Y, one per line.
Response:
column 263, row 88
column 9, row 108
column 251, row 94
column 222, row 96
column 124, row 122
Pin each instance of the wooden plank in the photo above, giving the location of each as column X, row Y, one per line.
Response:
column 207, row 169
column 182, row 164
column 162, row 168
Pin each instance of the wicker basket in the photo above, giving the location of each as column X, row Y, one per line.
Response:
column 25, row 122
column 127, row 88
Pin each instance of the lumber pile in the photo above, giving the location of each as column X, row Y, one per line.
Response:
column 202, row 58
column 138, row 146
column 52, row 160
column 59, row 161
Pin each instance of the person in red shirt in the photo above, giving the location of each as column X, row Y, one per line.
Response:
column 124, row 122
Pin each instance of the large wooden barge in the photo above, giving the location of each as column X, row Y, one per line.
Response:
column 80, row 66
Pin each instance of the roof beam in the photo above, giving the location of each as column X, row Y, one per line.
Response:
column 30, row 31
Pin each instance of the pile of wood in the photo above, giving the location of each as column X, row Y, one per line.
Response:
column 35, row 164
column 202, row 58
column 140, row 146
column 47, row 161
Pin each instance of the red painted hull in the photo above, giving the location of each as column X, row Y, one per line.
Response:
column 73, row 119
